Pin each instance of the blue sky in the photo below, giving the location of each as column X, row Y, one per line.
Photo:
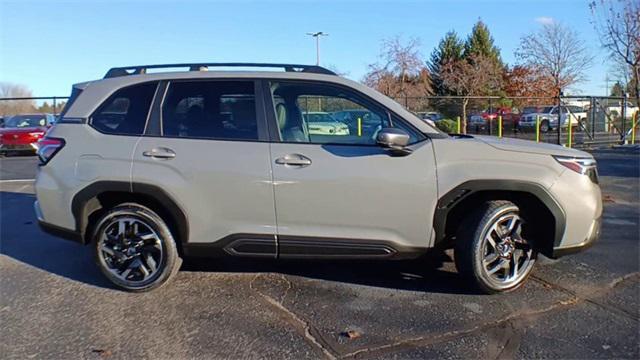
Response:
column 49, row 45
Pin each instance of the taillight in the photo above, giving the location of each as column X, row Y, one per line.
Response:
column 37, row 135
column 48, row 148
column 584, row 166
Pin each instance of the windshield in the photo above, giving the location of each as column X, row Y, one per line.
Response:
column 529, row 110
column 547, row 109
column 23, row 121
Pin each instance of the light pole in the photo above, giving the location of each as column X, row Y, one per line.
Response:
column 317, row 36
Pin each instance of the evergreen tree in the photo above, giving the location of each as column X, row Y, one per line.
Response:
column 450, row 49
column 45, row 108
column 617, row 89
column 480, row 42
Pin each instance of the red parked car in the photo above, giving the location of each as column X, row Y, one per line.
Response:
column 21, row 133
column 510, row 116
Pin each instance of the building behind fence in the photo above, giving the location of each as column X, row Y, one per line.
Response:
column 596, row 120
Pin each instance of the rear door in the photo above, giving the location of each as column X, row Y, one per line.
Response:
column 340, row 194
column 204, row 146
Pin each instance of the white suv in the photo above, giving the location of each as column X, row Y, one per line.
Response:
column 148, row 168
column 548, row 116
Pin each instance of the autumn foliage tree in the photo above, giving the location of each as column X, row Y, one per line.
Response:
column 477, row 75
column 522, row 81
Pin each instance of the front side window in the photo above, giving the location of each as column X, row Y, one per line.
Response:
column 126, row 111
column 327, row 114
column 224, row 110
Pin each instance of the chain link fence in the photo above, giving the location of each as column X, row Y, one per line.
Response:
column 30, row 105
column 585, row 120
column 594, row 120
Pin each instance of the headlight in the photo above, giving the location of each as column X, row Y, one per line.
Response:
column 584, row 166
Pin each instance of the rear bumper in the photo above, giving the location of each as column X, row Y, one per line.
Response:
column 55, row 230
column 594, row 235
column 18, row 147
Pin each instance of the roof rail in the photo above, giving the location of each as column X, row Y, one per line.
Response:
column 142, row 69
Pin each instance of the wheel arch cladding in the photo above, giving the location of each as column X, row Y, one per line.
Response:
column 535, row 202
column 88, row 202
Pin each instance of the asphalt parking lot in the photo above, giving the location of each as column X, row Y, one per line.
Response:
column 54, row 303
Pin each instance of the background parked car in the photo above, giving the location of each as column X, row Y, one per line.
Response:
column 322, row 123
column 368, row 121
column 548, row 116
column 431, row 117
column 22, row 132
column 510, row 116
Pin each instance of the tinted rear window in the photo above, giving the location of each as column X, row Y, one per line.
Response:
column 126, row 111
column 223, row 110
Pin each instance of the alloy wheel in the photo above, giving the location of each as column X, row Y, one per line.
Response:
column 507, row 257
column 130, row 250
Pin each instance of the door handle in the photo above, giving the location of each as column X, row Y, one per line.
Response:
column 294, row 160
column 160, row 153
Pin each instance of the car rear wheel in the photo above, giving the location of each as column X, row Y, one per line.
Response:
column 491, row 251
column 134, row 248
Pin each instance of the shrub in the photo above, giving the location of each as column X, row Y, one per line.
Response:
column 447, row 125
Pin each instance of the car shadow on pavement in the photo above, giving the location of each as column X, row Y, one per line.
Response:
column 423, row 274
column 22, row 240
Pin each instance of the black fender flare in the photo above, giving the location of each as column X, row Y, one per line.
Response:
column 449, row 200
column 80, row 210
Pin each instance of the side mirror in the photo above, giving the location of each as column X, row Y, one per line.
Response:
column 395, row 140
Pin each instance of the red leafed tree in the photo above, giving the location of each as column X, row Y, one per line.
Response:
column 525, row 81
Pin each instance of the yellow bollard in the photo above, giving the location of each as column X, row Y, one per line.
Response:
column 359, row 126
column 500, row 126
column 538, row 128
column 569, row 132
column 458, row 121
column 633, row 128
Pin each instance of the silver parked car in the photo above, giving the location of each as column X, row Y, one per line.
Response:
column 151, row 167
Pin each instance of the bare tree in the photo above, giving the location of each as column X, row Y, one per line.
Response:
column 12, row 107
column 400, row 71
column 618, row 24
column 558, row 53
column 478, row 75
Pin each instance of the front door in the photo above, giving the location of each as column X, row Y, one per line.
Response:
column 338, row 193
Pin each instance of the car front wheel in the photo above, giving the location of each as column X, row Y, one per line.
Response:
column 544, row 126
column 134, row 248
column 491, row 251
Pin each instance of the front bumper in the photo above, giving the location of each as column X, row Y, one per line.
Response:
column 594, row 235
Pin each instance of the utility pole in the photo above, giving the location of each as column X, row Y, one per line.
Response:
column 317, row 36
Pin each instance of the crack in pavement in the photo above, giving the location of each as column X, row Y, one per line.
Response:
column 507, row 348
column 598, row 293
column 295, row 320
column 512, row 319
column 432, row 339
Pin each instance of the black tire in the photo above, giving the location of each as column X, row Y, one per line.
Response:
column 470, row 248
column 544, row 126
column 163, row 243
